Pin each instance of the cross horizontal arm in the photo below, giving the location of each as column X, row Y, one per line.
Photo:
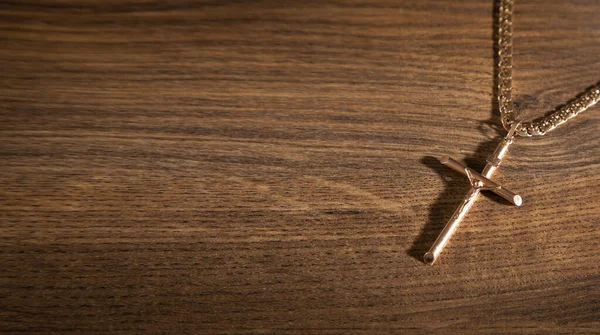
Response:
column 515, row 199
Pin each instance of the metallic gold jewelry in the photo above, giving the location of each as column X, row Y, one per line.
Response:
column 515, row 128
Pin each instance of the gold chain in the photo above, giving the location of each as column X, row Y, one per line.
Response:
column 507, row 111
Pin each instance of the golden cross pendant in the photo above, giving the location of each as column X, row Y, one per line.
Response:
column 479, row 182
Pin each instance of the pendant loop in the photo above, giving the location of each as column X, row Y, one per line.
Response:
column 512, row 132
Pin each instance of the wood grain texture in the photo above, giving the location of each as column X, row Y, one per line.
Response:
column 271, row 167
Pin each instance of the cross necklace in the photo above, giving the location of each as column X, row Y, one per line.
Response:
column 516, row 128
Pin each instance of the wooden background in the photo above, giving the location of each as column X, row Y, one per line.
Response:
column 271, row 167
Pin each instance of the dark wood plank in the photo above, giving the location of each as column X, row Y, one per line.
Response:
column 270, row 167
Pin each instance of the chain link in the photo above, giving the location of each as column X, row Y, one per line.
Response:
column 508, row 113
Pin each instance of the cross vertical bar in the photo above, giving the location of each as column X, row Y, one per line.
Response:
column 476, row 187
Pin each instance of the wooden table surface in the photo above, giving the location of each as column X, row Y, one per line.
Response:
column 271, row 167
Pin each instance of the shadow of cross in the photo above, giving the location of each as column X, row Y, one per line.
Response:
column 479, row 182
